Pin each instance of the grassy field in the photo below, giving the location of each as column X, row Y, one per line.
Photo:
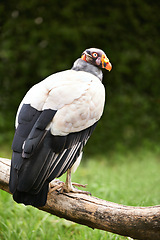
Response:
column 130, row 179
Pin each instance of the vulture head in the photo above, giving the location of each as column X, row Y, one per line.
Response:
column 97, row 58
column 92, row 60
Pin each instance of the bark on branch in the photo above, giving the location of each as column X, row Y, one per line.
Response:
column 135, row 222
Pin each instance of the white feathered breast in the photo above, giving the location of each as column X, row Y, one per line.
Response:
column 77, row 96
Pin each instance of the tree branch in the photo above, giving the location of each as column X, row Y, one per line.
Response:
column 135, row 222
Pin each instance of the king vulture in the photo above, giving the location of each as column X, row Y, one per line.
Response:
column 53, row 123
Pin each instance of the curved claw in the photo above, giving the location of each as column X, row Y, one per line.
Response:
column 56, row 184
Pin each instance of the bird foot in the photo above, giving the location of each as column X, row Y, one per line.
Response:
column 54, row 185
column 67, row 188
column 61, row 187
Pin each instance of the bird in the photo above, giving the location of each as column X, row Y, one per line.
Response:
column 54, row 121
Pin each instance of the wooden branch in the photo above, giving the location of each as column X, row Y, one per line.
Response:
column 135, row 222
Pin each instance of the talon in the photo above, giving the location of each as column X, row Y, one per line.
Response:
column 55, row 185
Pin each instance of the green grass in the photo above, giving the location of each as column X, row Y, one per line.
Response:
column 132, row 179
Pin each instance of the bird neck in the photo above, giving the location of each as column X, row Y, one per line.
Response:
column 81, row 65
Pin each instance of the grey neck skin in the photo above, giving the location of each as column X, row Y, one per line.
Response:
column 81, row 65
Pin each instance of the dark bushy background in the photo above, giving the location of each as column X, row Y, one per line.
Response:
column 38, row 38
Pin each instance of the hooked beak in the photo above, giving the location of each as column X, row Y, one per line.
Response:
column 83, row 56
column 106, row 63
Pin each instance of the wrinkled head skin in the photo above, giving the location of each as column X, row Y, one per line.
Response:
column 96, row 57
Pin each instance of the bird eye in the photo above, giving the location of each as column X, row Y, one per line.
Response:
column 94, row 54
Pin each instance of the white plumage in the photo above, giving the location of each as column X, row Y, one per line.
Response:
column 79, row 103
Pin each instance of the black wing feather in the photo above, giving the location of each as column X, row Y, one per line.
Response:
column 44, row 156
column 38, row 132
column 27, row 122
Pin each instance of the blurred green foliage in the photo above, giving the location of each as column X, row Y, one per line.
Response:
column 38, row 38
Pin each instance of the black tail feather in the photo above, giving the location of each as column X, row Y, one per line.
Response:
column 36, row 200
